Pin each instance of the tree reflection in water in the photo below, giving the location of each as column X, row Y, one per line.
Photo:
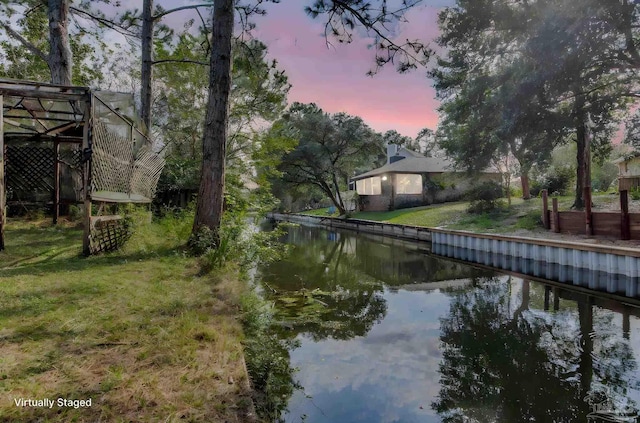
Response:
column 326, row 296
column 504, row 364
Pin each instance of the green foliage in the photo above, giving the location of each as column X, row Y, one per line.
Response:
column 89, row 53
column 329, row 149
column 602, row 176
column 634, row 193
column 75, row 213
column 484, row 197
column 521, row 78
column 530, row 221
column 258, row 95
column 558, row 180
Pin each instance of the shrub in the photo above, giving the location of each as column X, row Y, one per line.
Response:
column 484, row 197
column 634, row 193
column 603, row 176
column 76, row 213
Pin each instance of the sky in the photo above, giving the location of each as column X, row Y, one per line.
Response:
column 335, row 78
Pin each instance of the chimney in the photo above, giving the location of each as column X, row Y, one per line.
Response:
column 392, row 150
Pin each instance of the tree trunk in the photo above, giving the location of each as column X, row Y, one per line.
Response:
column 581, row 155
column 147, row 63
column 524, row 181
column 59, row 59
column 342, row 207
column 211, row 193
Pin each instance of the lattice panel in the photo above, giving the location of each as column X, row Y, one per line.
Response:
column 108, row 235
column 29, row 171
column 111, row 161
column 146, row 173
column 71, row 157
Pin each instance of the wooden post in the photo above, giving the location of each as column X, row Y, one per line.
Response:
column 555, row 215
column 3, row 200
column 86, row 175
column 625, row 229
column 556, row 299
column 56, row 182
column 587, row 211
column 545, row 209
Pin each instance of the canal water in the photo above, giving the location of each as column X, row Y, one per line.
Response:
column 387, row 332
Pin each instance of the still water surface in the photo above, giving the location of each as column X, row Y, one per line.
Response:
column 389, row 333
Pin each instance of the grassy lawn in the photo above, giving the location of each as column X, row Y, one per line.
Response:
column 320, row 212
column 138, row 331
column 520, row 215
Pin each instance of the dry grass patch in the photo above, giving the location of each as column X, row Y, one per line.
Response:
column 137, row 332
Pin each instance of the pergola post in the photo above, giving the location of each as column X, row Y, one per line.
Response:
column 3, row 200
column 86, row 175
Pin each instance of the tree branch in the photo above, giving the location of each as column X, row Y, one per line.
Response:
column 35, row 50
column 177, row 9
column 195, row 62
column 106, row 22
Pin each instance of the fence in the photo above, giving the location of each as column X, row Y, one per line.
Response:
column 620, row 225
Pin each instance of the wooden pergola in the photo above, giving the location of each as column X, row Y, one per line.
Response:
column 113, row 160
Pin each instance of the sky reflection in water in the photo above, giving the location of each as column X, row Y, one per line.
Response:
column 391, row 334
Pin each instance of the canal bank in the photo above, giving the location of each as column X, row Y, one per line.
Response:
column 595, row 266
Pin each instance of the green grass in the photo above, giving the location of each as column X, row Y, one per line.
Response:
column 521, row 215
column 319, row 212
column 137, row 331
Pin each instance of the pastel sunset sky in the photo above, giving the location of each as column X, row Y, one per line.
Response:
column 335, row 77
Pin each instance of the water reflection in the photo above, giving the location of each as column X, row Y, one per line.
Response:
column 390, row 333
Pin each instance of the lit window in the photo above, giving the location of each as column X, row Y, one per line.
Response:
column 369, row 186
column 409, row 184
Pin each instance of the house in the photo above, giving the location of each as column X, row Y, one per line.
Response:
column 628, row 172
column 410, row 179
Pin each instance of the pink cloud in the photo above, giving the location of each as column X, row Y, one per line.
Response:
column 335, row 77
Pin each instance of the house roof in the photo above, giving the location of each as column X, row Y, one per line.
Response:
column 414, row 163
column 410, row 165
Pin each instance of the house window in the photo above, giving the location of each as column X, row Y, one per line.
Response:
column 369, row 186
column 409, row 184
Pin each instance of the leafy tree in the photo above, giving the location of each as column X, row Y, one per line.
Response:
column 330, row 148
column 51, row 50
column 258, row 95
column 427, row 143
column 394, row 137
column 517, row 76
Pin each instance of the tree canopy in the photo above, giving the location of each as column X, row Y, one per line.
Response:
column 520, row 78
column 330, row 148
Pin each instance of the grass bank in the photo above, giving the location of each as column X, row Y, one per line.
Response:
column 521, row 215
column 137, row 332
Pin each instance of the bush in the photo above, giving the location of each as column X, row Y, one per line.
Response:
column 603, row 176
column 484, row 197
column 634, row 193
column 557, row 179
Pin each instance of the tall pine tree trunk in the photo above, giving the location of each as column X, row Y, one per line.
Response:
column 211, row 193
column 147, row 63
column 59, row 59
